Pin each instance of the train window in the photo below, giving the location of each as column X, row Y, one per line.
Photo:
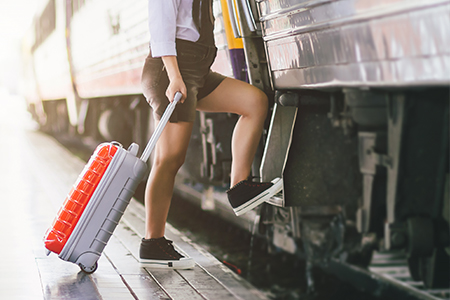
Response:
column 45, row 24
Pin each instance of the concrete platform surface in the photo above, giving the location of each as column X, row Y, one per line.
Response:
column 37, row 174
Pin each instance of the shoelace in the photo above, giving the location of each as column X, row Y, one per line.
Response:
column 167, row 246
column 249, row 181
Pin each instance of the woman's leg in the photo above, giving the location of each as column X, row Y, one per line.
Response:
column 170, row 153
column 251, row 104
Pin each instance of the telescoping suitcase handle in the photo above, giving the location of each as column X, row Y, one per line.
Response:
column 162, row 123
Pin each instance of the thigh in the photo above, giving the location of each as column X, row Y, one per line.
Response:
column 233, row 96
column 154, row 82
column 212, row 81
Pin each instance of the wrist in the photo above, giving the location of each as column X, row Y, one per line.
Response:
column 171, row 64
column 174, row 77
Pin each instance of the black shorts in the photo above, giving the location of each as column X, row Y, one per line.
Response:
column 194, row 62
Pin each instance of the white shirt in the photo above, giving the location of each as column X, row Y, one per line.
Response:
column 168, row 20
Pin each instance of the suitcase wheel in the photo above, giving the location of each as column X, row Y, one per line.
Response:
column 88, row 270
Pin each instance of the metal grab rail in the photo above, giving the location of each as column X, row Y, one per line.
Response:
column 249, row 15
column 234, row 20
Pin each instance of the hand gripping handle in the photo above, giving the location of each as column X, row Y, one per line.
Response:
column 162, row 123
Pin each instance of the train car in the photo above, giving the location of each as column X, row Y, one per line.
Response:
column 361, row 115
column 358, row 125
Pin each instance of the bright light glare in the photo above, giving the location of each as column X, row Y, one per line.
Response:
column 15, row 19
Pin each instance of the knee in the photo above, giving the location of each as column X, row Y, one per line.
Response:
column 263, row 103
column 169, row 162
column 258, row 104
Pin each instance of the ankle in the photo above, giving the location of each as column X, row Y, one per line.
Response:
column 152, row 239
column 235, row 180
column 151, row 235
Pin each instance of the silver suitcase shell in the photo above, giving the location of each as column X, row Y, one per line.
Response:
column 109, row 201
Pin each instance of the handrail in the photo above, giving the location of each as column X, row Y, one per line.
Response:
column 249, row 15
column 233, row 18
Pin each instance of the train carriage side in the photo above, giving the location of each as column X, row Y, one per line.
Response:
column 108, row 42
column 46, row 68
column 362, row 111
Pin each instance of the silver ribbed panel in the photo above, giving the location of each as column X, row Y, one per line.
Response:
column 353, row 43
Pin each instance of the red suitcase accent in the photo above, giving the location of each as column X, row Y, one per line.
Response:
column 75, row 203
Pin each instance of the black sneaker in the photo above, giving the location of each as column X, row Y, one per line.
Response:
column 160, row 253
column 246, row 195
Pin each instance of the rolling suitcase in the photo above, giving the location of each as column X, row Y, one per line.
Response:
column 98, row 199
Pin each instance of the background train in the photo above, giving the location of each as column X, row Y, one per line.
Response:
column 358, row 126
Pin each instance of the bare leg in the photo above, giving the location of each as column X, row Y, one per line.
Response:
column 251, row 104
column 170, row 152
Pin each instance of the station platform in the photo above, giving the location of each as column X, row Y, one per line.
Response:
column 37, row 175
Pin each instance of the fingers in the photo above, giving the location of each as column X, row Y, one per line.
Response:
column 176, row 85
column 171, row 95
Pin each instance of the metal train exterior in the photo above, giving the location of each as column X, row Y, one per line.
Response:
column 358, row 126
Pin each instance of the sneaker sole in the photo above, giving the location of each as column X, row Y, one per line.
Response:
column 252, row 203
column 184, row 263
